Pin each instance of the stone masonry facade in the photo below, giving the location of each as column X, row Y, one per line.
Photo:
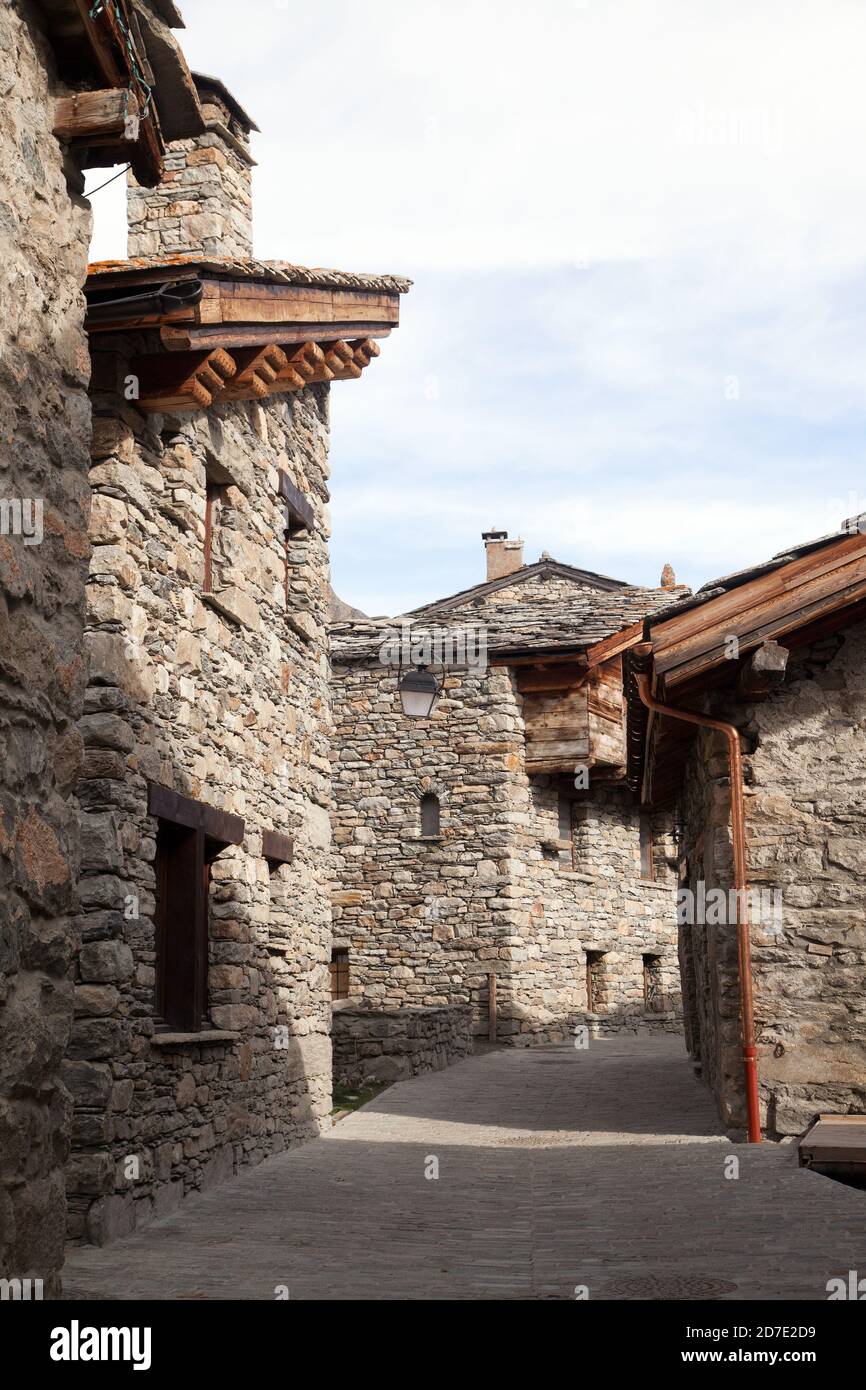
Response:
column 44, row 427
column 426, row 919
column 222, row 696
column 806, row 823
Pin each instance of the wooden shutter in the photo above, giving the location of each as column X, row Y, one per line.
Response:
column 182, row 877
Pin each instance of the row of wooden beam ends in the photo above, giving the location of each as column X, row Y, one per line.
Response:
column 198, row 380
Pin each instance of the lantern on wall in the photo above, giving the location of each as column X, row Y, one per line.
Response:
column 418, row 691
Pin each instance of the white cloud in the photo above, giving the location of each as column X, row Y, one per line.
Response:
column 482, row 133
column 637, row 235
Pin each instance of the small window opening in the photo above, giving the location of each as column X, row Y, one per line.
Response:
column 211, row 521
column 340, row 973
column 647, row 867
column 566, row 832
column 430, row 815
column 596, row 985
column 653, row 996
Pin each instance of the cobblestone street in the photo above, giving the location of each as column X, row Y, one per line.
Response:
column 557, row 1168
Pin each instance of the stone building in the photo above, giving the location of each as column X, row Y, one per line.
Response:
column 164, row 967
column 779, row 652
column 75, row 97
column 494, row 846
column 201, row 1040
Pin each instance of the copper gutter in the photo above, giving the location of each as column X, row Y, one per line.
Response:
column 744, row 948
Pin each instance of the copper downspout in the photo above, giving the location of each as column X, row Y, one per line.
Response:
column 744, row 949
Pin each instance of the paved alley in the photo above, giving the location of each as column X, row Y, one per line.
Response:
column 558, row 1170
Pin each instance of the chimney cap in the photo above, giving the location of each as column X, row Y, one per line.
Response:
column 204, row 84
column 494, row 535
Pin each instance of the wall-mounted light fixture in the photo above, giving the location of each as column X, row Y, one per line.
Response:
column 418, row 692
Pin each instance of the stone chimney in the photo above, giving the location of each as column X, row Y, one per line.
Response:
column 204, row 203
column 504, row 557
column 668, row 579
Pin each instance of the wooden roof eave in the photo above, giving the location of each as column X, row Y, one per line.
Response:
column 244, row 313
column 538, row 656
column 819, row 593
column 807, row 592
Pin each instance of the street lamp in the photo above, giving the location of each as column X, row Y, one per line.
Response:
column 418, row 691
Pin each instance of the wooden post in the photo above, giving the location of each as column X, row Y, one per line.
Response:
column 491, row 1008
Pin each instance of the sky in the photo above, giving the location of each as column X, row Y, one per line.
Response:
column 637, row 236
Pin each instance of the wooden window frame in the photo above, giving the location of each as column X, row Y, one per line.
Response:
column 647, row 848
column 190, row 836
column 565, row 815
column 339, row 970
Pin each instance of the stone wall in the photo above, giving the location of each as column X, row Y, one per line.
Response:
column 393, row 1044
column 591, row 897
column 806, row 829
column 44, row 426
column 203, row 204
column 427, row 920
column 224, row 698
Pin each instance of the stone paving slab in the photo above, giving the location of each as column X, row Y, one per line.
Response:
column 558, row 1168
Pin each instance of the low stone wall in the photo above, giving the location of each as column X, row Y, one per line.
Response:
column 604, row 1025
column 392, row 1044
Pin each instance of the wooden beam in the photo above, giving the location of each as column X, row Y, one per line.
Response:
column 111, row 116
column 612, row 646
column 763, row 672
column 304, row 360
column 100, row 40
column 257, row 370
column 364, row 351
column 231, row 336
column 182, row 381
column 277, row 848
column 562, row 677
column 109, row 46
column 304, row 365
column 195, row 815
column 300, row 511
column 251, row 301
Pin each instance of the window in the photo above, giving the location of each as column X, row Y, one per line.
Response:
column 647, row 868
column 653, row 998
column 430, row 815
column 211, row 521
column 340, row 973
column 566, row 832
column 190, row 836
column 300, row 518
column 595, row 982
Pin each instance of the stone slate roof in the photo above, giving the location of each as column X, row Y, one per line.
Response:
column 231, row 101
column 542, row 569
column 537, row 625
column 274, row 272
column 714, row 587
